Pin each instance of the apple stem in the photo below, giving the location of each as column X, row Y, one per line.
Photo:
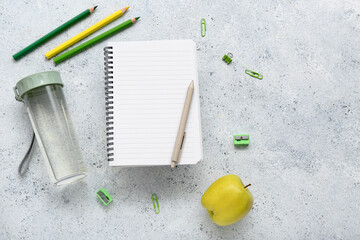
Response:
column 247, row 185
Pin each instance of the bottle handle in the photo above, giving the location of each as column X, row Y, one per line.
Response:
column 17, row 96
column 24, row 164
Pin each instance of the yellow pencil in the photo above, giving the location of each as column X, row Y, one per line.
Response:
column 85, row 33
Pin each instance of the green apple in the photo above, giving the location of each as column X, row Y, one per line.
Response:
column 227, row 200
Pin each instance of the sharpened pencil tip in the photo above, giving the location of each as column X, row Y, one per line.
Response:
column 93, row 9
column 137, row 18
column 127, row 8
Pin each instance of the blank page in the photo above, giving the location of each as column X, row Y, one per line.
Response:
column 151, row 79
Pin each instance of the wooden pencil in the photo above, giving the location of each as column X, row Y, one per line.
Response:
column 85, row 33
column 53, row 33
column 95, row 40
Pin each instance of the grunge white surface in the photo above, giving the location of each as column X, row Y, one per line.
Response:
column 303, row 120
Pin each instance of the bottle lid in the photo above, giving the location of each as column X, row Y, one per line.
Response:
column 36, row 80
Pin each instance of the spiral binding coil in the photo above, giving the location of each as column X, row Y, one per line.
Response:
column 109, row 101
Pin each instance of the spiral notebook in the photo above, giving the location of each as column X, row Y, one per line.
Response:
column 146, row 85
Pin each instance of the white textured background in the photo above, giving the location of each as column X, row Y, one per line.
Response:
column 303, row 119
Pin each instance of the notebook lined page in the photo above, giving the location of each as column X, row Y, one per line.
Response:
column 150, row 84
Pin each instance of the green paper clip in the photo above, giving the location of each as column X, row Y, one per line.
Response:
column 104, row 196
column 243, row 139
column 203, row 27
column 254, row 74
column 156, row 203
column 227, row 58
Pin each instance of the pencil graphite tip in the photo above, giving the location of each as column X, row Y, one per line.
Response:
column 134, row 19
column 92, row 9
column 124, row 9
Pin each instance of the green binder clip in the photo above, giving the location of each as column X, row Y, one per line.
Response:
column 243, row 139
column 203, row 27
column 104, row 196
column 254, row 74
column 227, row 58
column 156, row 203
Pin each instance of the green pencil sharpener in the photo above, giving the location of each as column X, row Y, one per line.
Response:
column 104, row 196
column 243, row 139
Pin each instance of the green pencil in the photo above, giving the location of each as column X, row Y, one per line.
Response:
column 53, row 33
column 95, row 40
